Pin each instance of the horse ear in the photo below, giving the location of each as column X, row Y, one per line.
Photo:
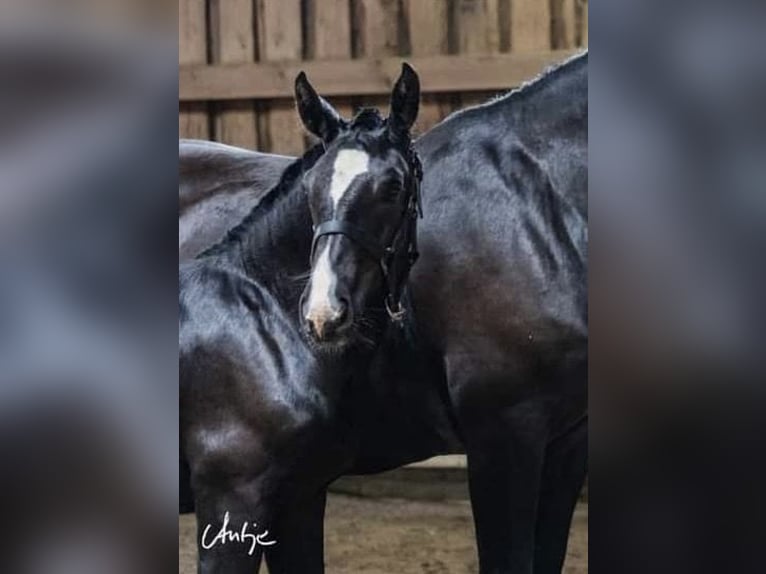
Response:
column 317, row 115
column 405, row 99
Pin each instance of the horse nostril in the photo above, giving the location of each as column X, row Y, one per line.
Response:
column 341, row 315
column 311, row 327
column 328, row 322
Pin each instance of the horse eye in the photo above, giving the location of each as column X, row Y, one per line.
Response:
column 392, row 191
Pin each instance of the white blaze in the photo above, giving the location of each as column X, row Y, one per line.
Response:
column 348, row 164
column 322, row 280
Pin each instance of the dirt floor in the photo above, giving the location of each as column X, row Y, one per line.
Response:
column 392, row 536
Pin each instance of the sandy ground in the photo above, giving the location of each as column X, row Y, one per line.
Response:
column 392, row 536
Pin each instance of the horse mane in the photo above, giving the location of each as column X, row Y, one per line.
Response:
column 547, row 76
column 268, row 201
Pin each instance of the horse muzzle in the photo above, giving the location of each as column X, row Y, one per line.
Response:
column 328, row 323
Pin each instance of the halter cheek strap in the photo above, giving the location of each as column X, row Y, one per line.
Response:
column 406, row 257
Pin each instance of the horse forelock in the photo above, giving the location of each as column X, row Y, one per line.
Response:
column 367, row 119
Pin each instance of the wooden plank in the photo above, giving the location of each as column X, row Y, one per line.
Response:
column 280, row 39
column 563, row 24
column 377, row 28
column 376, row 23
column 438, row 74
column 192, row 49
column 530, row 25
column 235, row 43
column 328, row 29
column 477, row 26
column 428, row 22
column 582, row 22
column 504, row 24
column 328, row 36
column 428, row 26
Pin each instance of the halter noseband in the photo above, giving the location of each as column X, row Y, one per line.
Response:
column 386, row 255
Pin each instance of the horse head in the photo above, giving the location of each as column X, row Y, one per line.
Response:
column 363, row 194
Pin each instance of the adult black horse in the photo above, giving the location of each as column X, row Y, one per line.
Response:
column 268, row 420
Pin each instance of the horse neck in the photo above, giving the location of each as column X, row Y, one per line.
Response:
column 271, row 245
column 275, row 248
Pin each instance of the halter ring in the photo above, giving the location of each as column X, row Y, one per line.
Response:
column 397, row 316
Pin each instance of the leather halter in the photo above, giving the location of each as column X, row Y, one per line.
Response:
column 387, row 255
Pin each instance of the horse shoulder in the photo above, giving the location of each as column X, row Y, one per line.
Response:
column 501, row 278
column 247, row 381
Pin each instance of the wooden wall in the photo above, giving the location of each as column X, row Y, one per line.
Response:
column 238, row 58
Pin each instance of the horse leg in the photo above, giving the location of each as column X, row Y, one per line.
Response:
column 185, row 494
column 564, row 470
column 505, row 456
column 226, row 506
column 299, row 532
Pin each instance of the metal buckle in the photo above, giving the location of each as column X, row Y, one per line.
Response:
column 397, row 316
